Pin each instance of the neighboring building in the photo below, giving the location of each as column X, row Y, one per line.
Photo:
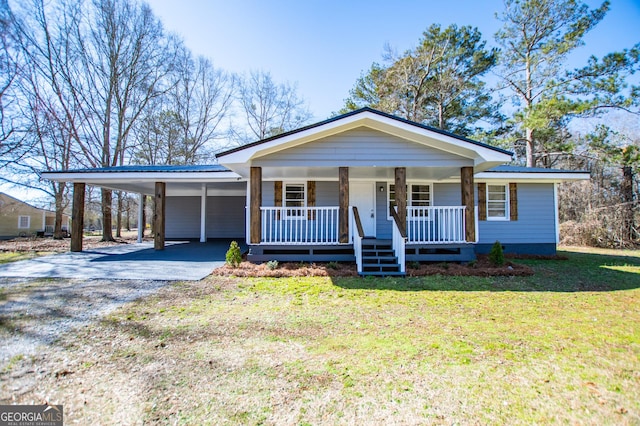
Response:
column 365, row 186
column 19, row 219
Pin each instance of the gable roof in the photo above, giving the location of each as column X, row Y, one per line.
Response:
column 354, row 113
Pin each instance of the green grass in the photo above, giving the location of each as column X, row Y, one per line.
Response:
column 14, row 256
column 561, row 346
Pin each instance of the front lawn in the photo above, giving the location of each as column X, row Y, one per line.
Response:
column 561, row 346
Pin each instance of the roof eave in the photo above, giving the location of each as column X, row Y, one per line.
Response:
column 141, row 176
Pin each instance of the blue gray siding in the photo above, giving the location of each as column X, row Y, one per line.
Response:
column 326, row 193
column 345, row 149
column 536, row 218
column 447, row 194
column 225, row 217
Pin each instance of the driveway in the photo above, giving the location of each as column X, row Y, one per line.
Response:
column 179, row 261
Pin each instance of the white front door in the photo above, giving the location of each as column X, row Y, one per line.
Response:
column 363, row 196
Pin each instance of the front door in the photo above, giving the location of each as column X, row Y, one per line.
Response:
column 362, row 195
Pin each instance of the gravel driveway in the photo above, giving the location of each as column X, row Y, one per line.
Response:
column 35, row 312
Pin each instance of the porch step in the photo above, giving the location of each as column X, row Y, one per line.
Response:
column 379, row 258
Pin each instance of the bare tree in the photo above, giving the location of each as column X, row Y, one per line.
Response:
column 270, row 108
column 12, row 128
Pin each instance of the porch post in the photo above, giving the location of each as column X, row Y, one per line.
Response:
column 401, row 195
column 468, row 200
column 255, row 204
column 77, row 216
column 203, row 214
column 159, row 216
column 141, row 224
column 343, row 211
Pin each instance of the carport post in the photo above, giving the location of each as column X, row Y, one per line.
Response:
column 77, row 216
column 158, row 216
column 203, row 214
column 141, row 225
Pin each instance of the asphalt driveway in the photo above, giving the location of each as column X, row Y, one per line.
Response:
column 179, row 261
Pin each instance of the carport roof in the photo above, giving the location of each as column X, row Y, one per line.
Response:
column 210, row 168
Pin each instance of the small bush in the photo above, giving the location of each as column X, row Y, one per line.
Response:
column 496, row 255
column 414, row 265
column 473, row 263
column 272, row 264
column 234, row 255
column 332, row 265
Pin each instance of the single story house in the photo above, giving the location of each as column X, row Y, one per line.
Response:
column 365, row 186
column 19, row 219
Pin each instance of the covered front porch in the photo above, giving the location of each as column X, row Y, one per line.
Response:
column 326, row 219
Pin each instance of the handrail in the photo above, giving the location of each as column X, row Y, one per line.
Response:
column 357, row 237
column 396, row 219
column 356, row 217
column 398, row 239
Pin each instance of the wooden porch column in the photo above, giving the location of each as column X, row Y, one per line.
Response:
column 401, row 195
column 468, row 200
column 77, row 216
column 159, row 216
column 255, row 222
column 343, row 211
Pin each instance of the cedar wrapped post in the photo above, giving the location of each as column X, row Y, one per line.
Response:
column 77, row 216
column 159, row 209
column 401, row 196
column 343, row 212
column 311, row 198
column 466, row 183
column 255, row 221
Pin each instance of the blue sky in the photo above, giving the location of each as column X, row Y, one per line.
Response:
column 324, row 46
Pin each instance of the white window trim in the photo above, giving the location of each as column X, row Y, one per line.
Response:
column 409, row 201
column 20, row 222
column 507, row 202
column 284, row 199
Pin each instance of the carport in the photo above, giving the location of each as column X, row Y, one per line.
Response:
column 199, row 196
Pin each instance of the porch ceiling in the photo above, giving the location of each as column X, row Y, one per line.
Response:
column 235, row 188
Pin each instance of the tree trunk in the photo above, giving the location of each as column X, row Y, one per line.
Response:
column 119, row 215
column 107, row 198
column 627, row 198
column 531, row 160
column 57, row 226
column 144, row 215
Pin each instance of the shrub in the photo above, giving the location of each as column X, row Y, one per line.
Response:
column 332, row 265
column 234, row 255
column 414, row 265
column 496, row 255
column 272, row 264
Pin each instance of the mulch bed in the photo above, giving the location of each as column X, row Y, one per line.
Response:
column 481, row 268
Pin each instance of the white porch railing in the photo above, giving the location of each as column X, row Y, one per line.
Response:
column 436, row 225
column 299, row 225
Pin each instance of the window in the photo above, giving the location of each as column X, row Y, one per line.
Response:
column 24, row 222
column 295, row 196
column 497, row 202
column 418, row 195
